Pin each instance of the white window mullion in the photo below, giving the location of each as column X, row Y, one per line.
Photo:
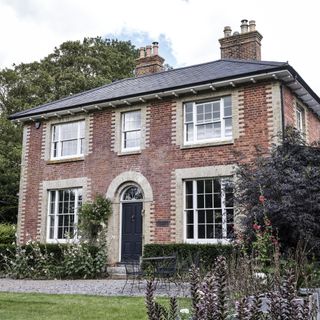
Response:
column 194, row 119
column 78, row 139
column 223, row 208
column 49, row 216
column 222, row 118
column 55, row 229
column 195, row 209
column 59, row 144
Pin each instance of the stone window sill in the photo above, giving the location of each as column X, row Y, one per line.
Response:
column 65, row 160
column 129, row 153
column 209, row 144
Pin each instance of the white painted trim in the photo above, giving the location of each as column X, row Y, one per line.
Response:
column 55, row 229
column 122, row 124
column 196, row 141
column 59, row 141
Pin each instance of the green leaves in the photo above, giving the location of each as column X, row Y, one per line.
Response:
column 71, row 68
column 289, row 180
column 93, row 219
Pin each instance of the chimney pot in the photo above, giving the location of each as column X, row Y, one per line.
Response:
column 148, row 51
column 155, row 48
column 227, row 31
column 244, row 26
column 141, row 52
column 252, row 25
column 149, row 60
column 245, row 45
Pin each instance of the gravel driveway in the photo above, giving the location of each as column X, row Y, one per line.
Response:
column 92, row 287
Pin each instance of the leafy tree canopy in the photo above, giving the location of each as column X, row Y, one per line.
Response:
column 289, row 181
column 73, row 67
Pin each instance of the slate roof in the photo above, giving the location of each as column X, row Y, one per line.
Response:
column 155, row 83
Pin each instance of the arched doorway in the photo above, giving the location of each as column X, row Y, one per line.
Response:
column 131, row 223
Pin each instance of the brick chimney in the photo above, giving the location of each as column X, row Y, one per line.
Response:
column 149, row 60
column 245, row 45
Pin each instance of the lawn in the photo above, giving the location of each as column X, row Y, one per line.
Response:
column 33, row 306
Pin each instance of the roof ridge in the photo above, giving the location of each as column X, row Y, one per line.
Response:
column 263, row 62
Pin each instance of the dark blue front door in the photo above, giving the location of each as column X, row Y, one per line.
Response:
column 131, row 247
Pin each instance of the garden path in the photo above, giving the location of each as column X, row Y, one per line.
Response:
column 104, row 287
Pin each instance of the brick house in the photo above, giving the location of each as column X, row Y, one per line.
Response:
column 162, row 146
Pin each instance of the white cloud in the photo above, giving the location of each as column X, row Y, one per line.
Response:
column 31, row 28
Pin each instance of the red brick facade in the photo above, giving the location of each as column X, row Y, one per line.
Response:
column 159, row 160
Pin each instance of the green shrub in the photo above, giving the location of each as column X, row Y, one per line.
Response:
column 7, row 233
column 47, row 261
column 188, row 252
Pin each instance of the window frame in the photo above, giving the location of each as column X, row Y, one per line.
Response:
column 300, row 110
column 123, row 131
column 195, row 209
column 79, row 138
column 78, row 192
column 195, row 123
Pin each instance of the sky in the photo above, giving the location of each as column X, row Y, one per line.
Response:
column 187, row 30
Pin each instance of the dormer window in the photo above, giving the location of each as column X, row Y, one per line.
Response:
column 208, row 121
column 68, row 140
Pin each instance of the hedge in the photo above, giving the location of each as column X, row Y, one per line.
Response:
column 52, row 248
column 187, row 253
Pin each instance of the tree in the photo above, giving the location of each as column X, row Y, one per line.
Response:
column 73, row 67
column 287, row 183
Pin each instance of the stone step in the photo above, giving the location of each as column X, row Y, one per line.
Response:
column 117, row 272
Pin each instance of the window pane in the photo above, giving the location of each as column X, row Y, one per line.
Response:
column 189, row 217
column 188, row 112
column 200, row 186
column 217, row 185
column 201, row 216
column 216, row 130
column 208, row 201
column 190, row 231
column 201, row 231
column 208, row 186
column 69, row 131
column 189, row 133
column 189, row 202
column 216, row 110
column 200, row 113
column 132, row 120
column 69, row 147
column 132, row 139
column 217, row 200
column 227, row 106
column 208, row 112
column 209, row 216
column 218, row 216
column 210, row 231
column 218, row 231
column 189, row 187
column 200, row 201
column 228, row 127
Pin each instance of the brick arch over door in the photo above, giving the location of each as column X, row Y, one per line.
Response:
column 113, row 193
